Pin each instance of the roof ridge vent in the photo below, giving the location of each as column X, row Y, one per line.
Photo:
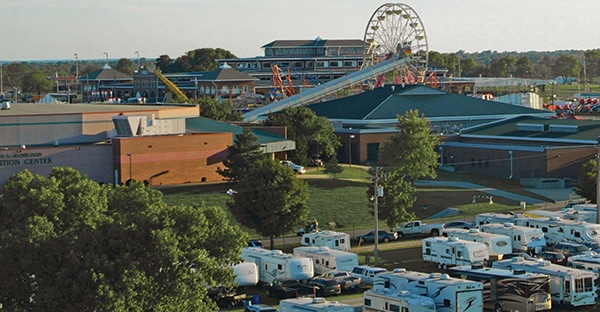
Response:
column 531, row 127
column 564, row 128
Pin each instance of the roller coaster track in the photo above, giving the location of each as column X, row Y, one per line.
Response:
column 321, row 91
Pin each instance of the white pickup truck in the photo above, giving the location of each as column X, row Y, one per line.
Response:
column 418, row 228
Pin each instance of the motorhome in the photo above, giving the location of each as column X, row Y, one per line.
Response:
column 386, row 299
column 588, row 261
column 272, row 264
column 331, row 239
column 565, row 213
column 497, row 244
column 325, row 259
column 506, row 290
column 246, row 274
column 451, row 251
column 557, row 229
column 567, row 285
column 316, row 304
column 524, row 239
column 450, row 294
column 497, row 217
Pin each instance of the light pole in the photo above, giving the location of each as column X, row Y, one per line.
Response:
column 138, row 57
column 130, row 176
column 350, row 137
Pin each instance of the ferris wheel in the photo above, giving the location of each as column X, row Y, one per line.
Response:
column 395, row 28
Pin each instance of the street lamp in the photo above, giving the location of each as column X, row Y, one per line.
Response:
column 350, row 137
column 129, row 155
column 138, row 58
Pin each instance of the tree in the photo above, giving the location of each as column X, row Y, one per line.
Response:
column 37, row 82
column 411, row 150
column 313, row 135
column 217, row 110
column 523, row 67
column 126, row 66
column 242, row 156
column 398, row 197
column 586, row 180
column 333, row 168
column 70, row 244
column 502, row 67
column 270, row 200
column 565, row 66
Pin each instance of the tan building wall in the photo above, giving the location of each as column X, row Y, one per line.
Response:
column 165, row 160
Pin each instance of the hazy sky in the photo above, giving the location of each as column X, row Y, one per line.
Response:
column 57, row 29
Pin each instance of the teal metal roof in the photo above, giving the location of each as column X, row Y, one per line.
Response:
column 206, row 125
column 389, row 101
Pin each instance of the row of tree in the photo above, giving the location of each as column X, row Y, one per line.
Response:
column 40, row 77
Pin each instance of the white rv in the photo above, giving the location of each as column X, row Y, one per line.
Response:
column 558, row 230
column 273, row 264
column 497, row 244
column 496, row 217
column 567, row 285
column 588, row 261
column 524, row 239
column 331, row 239
column 325, row 259
column 565, row 213
column 450, row 294
column 246, row 274
column 451, row 251
column 385, row 299
column 316, row 304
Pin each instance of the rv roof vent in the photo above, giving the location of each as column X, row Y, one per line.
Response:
column 434, row 275
column 519, row 271
column 444, row 276
column 404, row 293
column 323, row 248
column 555, row 218
column 508, row 224
column 452, row 239
column 399, row 270
column 277, row 252
column 318, row 300
column 517, row 259
column 473, row 230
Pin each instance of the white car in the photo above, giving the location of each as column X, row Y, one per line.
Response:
column 297, row 168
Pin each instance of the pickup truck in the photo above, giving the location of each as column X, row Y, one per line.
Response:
column 418, row 228
column 366, row 273
column 284, row 288
column 346, row 280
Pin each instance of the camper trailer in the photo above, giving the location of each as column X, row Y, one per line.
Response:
column 524, row 239
column 588, row 261
column 496, row 217
column 386, row 299
column 246, row 274
column 497, row 244
column 309, row 304
column 273, row 264
column 567, row 285
column 325, row 259
column 558, row 230
column 449, row 294
column 331, row 239
column 565, row 213
column 505, row 290
column 451, row 251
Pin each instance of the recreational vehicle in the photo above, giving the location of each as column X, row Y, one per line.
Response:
column 497, row 244
column 246, row 274
column 496, row 217
column 588, row 261
column 505, row 290
column 565, row 213
column 385, row 299
column 450, row 294
column 524, row 239
column 325, row 259
column 450, row 251
column 331, row 239
column 557, row 229
column 272, row 264
column 567, row 285
column 316, row 304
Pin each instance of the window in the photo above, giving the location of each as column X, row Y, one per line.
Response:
column 334, row 64
column 321, row 64
column 279, row 267
column 348, row 63
column 298, row 64
column 367, row 302
column 394, row 308
column 459, row 254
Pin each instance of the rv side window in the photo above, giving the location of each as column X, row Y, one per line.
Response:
column 577, row 234
column 448, row 251
column 279, row 267
column 367, row 302
column 394, row 308
column 446, row 302
column 428, row 244
column 567, row 286
column 307, row 240
column 337, row 243
column 428, row 251
column 327, row 263
column 459, row 254
column 317, row 261
column 518, row 238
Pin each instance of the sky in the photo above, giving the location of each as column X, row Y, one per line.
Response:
column 35, row 30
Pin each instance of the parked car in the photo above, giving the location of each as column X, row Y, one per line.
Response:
column 346, row 280
column 325, row 286
column 255, row 243
column 367, row 273
column 523, row 255
column 594, row 246
column 458, row 224
column 553, row 256
column 571, row 249
column 297, row 168
column 383, row 236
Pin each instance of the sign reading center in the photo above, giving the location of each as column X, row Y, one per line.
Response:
column 27, row 159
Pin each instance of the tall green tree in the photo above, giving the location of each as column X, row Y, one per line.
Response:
column 70, row 244
column 271, row 200
column 218, row 110
column 502, row 67
column 523, row 67
column 399, row 195
column 313, row 135
column 565, row 66
column 586, row 185
column 242, row 156
column 126, row 66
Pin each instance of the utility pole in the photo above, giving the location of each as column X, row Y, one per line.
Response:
column 377, row 192
column 598, row 187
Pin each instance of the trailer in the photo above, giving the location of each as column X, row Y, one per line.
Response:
column 588, row 261
column 273, row 264
column 325, row 259
column 506, row 290
column 497, row 244
column 386, row 299
column 497, row 217
column 567, row 285
column 331, row 239
column 316, row 304
column 451, row 251
column 524, row 239
column 557, row 229
column 246, row 274
column 450, row 294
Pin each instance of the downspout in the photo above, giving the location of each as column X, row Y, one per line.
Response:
column 510, row 153
column 441, row 155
